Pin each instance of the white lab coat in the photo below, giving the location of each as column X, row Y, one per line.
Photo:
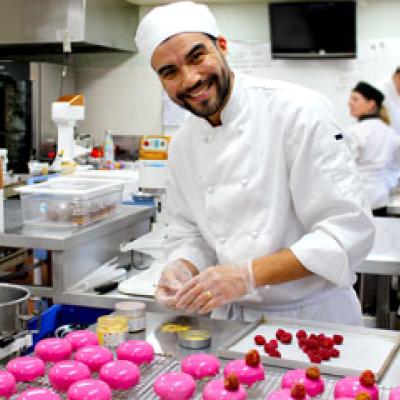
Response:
column 272, row 176
column 376, row 150
column 392, row 103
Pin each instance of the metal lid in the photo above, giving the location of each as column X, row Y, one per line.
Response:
column 132, row 308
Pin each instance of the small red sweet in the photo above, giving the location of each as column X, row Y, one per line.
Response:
column 315, row 358
column 301, row 334
column 298, row 391
column 312, row 344
column 259, row 340
column 337, row 339
column 252, row 358
column 327, row 343
column 321, row 337
column 367, row 378
column 279, row 333
column 286, row 338
column 275, row 353
column 231, row 383
column 302, row 342
column 324, row 353
column 313, row 336
column 334, row 352
column 273, row 344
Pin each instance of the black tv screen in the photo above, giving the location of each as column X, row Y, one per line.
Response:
column 313, row 29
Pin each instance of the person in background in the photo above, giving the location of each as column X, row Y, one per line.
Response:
column 374, row 145
column 391, row 90
column 265, row 207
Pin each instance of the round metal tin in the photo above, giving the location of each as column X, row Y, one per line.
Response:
column 194, row 339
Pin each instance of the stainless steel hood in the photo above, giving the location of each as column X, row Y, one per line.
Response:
column 36, row 28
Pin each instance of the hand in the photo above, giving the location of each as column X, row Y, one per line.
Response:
column 214, row 287
column 173, row 277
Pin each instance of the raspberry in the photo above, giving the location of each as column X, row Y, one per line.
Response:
column 313, row 336
column 298, row 391
column 303, row 342
column 231, row 383
column 312, row 344
column 279, row 333
column 362, row 396
column 313, row 373
column 315, row 358
column 286, row 338
column 324, row 353
column 334, row 352
column 252, row 358
column 367, row 378
column 337, row 339
column 327, row 343
column 301, row 334
column 275, row 353
column 321, row 337
column 259, row 340
column 273, row 344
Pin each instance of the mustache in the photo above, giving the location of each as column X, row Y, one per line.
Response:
column 186, row 93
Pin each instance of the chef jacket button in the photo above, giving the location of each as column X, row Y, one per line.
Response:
column 254, row 234
column 210, row 189
column 222, row 240
column 244, row 182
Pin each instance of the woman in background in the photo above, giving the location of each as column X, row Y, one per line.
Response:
column 374, row 145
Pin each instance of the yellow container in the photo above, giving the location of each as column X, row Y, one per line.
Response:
column 112, row 330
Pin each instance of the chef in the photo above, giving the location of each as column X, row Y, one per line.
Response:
column 374, row 145
column 391, row 90
column 266, row 214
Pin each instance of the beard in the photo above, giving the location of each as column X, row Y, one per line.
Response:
column 208, row 107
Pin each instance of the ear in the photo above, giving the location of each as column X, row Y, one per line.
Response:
column 222, row 44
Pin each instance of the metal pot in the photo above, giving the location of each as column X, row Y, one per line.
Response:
column 13, row 305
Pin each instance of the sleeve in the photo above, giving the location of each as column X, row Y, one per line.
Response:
column 328, row 198
column 184, row 239
column 354, row 141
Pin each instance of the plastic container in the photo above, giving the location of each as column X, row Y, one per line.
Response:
column 69, row 202
column 135, row 311
column 108, row 147
column 112, row 330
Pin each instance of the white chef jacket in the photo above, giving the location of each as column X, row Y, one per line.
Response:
column 376, row 150
column 272, row 176
column 392, row 103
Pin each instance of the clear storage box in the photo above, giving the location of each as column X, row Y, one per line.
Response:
column 68, row 202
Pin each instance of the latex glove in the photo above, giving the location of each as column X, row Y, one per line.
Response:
column 214, row 287
column 173, row 277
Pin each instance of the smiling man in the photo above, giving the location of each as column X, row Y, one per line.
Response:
column 266, row 215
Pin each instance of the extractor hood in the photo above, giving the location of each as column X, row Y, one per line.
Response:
column 33, row 28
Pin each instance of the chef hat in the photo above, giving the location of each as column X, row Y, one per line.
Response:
column 166, row 21
column 369, row 92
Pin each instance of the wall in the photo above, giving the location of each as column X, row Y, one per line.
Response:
column 126, row 97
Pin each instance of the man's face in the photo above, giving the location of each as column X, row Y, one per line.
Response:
column 194, row 73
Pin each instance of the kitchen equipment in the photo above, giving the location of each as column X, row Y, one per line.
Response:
column 194, row 339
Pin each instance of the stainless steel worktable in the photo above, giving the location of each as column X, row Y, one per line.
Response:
column 77, row 253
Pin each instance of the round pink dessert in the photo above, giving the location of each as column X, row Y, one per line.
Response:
column 246, row 374
column 7, row 384
column 38, row 394
column 351, row 386
column 314, row 387
column 283, row 394
column 200, row 365
column 94, row 356
column 394, row 393
column 89, row 389
column 138, row 351
column 215, row 390
column 26, row 369
column 175, row 386
column 81, row 338
column 53, row 349
column 120, row 374
column 64, row 373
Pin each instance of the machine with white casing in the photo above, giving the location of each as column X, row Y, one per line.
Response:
column 65, row 112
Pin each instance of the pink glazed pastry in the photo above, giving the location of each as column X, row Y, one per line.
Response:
column 120, row 374
column 26, row 369
column 175, row 386
column 38, row 394
column 81, row 338
column 201, row 365
column 297, row 392
column 53, row 350
column 352, row 385
column 94, row 356
column 138, row 351
column 7, row 384
column 310, row 378
column 248, row 370
column 228, row 388
column 89, row 389
column 394, row 393
column 64, row 373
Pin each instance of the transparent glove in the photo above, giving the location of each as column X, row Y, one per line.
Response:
column 173, row 277
column 214, row 287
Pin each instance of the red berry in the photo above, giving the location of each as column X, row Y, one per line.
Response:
column 298, row 392
column 313, row 373
column 321, row 337
column 279, row 333
column 325, row 353
column 301, row 334
column 313, row 336
column 273, row 343
column 327, row 343
column 315, row 358
column 259, row 340
column 302, row 342
column 275, row 353
column 312, row 344
column 367, row 378
column 252, row 358
column 337, row 339
column 334, row 352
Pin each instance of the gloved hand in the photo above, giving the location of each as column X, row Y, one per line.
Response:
column 214, row 287
column 173, row 277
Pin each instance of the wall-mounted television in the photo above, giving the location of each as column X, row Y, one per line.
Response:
column 313, row 29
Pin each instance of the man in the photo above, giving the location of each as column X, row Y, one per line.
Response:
column 265, row 207
column 391, row 90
